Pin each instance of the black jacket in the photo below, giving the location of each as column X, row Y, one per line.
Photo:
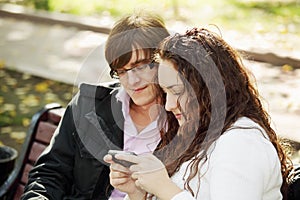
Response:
column 71, row 167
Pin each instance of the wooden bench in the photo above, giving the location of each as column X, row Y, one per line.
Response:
column 42, row 127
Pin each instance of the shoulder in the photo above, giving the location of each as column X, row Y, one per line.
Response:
column 245, row 139
column 244, row 131
column 89, row 96
column 97, row 91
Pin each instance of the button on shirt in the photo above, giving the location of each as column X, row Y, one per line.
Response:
column 137, row 142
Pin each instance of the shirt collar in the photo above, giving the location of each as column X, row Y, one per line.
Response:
column 122, row 95
column 124, row 98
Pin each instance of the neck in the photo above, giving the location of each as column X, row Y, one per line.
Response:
column 144, row 115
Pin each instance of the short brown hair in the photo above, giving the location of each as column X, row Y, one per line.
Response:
column 136, row 31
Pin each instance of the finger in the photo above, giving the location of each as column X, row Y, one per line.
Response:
column 130, row 158
column 149, row 157
column 117, row 167
column 118, row 181
column 138, row 184
column 108, row 158
column 136, row 168
column 118, row 174
column 134, row 176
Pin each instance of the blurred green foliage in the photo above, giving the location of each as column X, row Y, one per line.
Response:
column 22, row 95
column 243, row 15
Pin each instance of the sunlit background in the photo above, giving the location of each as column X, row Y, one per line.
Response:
column 25, row 85
column 245, row 15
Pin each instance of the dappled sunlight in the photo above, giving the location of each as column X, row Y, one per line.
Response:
column 21, row 96
column 83, row 42
column 17, row 35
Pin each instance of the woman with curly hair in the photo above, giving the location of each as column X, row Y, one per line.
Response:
column 225, row 148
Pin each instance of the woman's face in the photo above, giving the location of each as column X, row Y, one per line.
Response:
column 170, row 82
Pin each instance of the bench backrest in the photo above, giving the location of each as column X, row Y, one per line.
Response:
column 42, row 127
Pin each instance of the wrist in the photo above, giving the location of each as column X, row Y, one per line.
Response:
column 137, row 195
column 169, row 191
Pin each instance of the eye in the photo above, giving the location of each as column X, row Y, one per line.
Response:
column 142, row 67
column 177, row 91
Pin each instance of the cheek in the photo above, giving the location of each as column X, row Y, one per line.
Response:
column 123, row 82
column 183, row 102
column 151, row 76
column 160, row 77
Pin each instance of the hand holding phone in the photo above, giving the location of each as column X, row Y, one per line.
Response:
column 124, row 163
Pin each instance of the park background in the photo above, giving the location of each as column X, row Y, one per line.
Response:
column 40, row 60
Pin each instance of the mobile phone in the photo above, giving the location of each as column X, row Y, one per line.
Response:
column 124, row 163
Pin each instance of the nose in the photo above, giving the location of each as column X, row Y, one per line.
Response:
column 171, row 102
column 132, row 77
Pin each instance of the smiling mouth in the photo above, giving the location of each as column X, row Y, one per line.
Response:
column 139, row 89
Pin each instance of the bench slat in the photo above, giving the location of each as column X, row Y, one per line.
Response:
column 19, row 192
column 26, row 170
column 45, row 131
column 55, row 115
column 36, row 150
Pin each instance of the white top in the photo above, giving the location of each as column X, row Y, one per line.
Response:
column 243, row 165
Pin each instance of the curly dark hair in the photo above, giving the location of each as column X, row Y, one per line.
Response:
column 223, row 92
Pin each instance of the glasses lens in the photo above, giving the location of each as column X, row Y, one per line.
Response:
column 153, row 64
column 140, row 70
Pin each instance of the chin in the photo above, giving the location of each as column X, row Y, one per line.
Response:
column 143, row 102
column 143, row 99
column 180, row 122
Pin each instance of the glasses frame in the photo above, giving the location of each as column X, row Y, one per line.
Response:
column 115, row 73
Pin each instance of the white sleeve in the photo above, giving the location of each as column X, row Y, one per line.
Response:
column 241, row 166
column 183, row 195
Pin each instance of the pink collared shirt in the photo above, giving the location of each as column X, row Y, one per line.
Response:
column 141, row 142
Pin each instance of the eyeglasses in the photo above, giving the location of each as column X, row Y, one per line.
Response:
column 139, row 70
